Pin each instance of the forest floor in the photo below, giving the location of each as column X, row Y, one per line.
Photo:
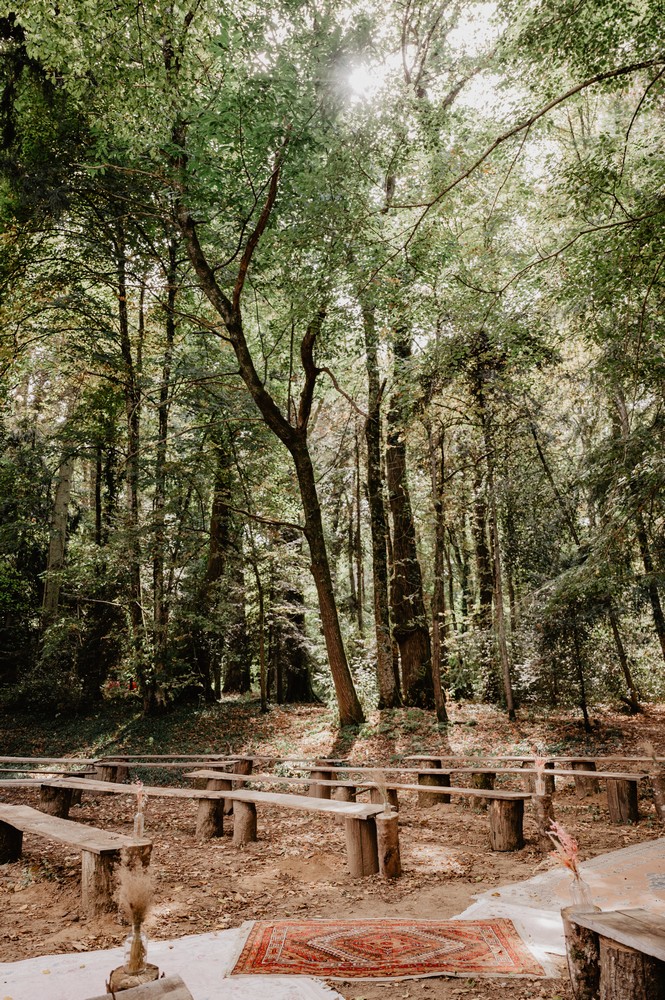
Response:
column 297, row 867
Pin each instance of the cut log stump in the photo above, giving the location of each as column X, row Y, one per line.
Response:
column 584, row 785
column 622, row 800
column 480, row 780
column 11, row 843
column 244, row 822
column 361, row 847
column 242, row 766
column 582, row 955
column 55, row 801
column 506, row 818
column 317, row 791
column 377, row 796
column 387, row 837
column 628, row 974
column 210, row 814
column 428, row 799
column 544, row 816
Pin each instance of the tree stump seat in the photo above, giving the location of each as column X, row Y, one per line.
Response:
column 100, row 850
column 615, row 955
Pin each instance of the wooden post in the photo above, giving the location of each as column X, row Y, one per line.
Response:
column 244, row 822
column 361, row 847
column 544, row 816
column 387, row 838
column 658, row 783
column 97, row 882
column 582, row 954
column 77, row 793
column 344, row 793
column 210, row 814
column 55, row 801
column 584, row 786
column 506, row 818
column 241, row 766
column 317, row 791
column 628, row 974
column 622, row 800
column 427, row 799
column 376, row 796
column 11, row 843
column 480, row 780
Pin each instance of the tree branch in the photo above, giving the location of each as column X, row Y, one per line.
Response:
column 259, row 229
column 309, row 367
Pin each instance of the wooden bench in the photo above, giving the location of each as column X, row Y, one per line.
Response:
column 361, row 821
column 506, row 809
column 100, row 850
column 615, row 955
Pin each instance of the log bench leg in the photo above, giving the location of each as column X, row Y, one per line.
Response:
column 320, row 791
column 428, row 799
column 343, row 793
column 97, row 883
column 376, row 796
column 582, row 955
column 387, row 839
column 506, row 818
column 210, row 819
column 628, row 974
column 11, row 843
column 210, row 814
column 584, row 786
column 244, row 822
column 77, row 793
column 242, row 766
column 97, row 876
column 55, row 801
column 622, row 800
column 544, row 816
column 480, row 781
column 361, row 847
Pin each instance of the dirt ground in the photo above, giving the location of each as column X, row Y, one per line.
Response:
column 297, row 867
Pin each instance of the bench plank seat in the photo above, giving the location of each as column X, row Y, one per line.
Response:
column 100, row 849
column 640, row 929
column 361, row 838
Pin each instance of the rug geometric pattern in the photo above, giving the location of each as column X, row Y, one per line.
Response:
column 386, row 949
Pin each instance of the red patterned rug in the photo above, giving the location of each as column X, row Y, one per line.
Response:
column 386, row 949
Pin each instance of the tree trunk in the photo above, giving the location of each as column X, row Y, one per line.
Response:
column 160, row 609
column 484, row 418
column 132, row 393
column 58, row 539
column 407, row 600
column 358, row 545
column 439, row 653
column 293, row 437
column 350, row 711
column 643, row 539
column 389, row 693
column 290, row 660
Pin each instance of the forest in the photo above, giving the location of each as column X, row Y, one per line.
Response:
column 332, row 353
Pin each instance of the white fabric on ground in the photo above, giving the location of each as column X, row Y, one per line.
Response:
column 631, row 877
column 202, row 961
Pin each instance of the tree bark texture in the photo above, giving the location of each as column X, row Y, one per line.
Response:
column 388, row 682
column 410, row 627
column 58, row 538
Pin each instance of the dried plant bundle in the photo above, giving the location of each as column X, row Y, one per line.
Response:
column 567, row 851
column 135, row 899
